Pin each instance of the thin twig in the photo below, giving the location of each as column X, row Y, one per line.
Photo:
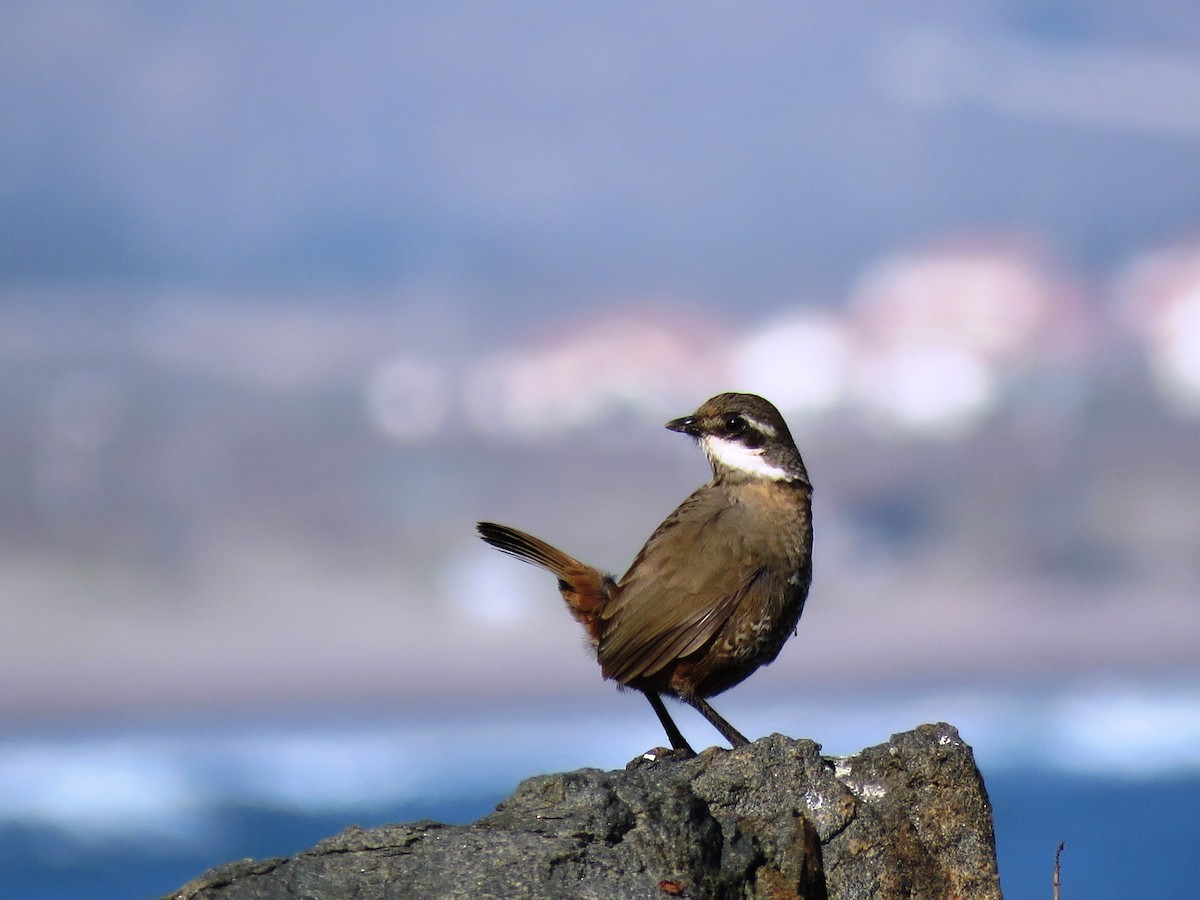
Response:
column 1057, row 867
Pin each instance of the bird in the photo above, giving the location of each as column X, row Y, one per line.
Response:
column 719, row 586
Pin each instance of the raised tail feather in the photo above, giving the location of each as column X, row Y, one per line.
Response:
column 527, row 547
column 586, row 590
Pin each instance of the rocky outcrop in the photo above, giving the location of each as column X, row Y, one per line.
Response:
column 908, row 818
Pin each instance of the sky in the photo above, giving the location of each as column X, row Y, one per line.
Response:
column 553, row 155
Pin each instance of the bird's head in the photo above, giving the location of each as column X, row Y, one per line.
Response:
column 745, row 439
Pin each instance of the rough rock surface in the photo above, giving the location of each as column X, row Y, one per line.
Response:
column 908, row 818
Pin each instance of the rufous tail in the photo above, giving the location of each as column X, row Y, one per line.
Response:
column 585, row 590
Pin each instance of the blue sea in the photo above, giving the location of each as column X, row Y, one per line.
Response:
column 134, row 812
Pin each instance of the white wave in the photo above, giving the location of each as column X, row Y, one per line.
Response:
column 174, row 785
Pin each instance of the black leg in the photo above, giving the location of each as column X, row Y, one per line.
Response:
column 735, row 737
column 673, row 733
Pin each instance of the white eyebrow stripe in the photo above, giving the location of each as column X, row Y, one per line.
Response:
column 763, row 427
column 737, row 456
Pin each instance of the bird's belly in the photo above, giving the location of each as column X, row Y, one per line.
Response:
column 748, row 640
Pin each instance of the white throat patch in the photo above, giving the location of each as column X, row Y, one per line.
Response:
column 741, row 458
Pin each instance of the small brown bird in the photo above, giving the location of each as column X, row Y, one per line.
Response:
column 721, row 583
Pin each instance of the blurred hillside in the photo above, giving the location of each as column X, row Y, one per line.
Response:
column 283, row 499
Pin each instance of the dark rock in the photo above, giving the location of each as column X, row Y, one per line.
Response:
column 909, row 818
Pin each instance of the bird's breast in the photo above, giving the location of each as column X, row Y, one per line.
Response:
column 774, row 522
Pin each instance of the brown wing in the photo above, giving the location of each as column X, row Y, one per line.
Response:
column 683, row 586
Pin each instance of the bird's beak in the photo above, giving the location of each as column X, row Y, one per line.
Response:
column 686, row 425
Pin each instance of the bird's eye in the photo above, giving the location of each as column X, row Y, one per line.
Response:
column 735, row 424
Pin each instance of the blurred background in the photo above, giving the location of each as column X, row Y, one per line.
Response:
column 291, row 295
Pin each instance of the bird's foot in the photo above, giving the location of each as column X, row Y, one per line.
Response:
column 658, row 754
